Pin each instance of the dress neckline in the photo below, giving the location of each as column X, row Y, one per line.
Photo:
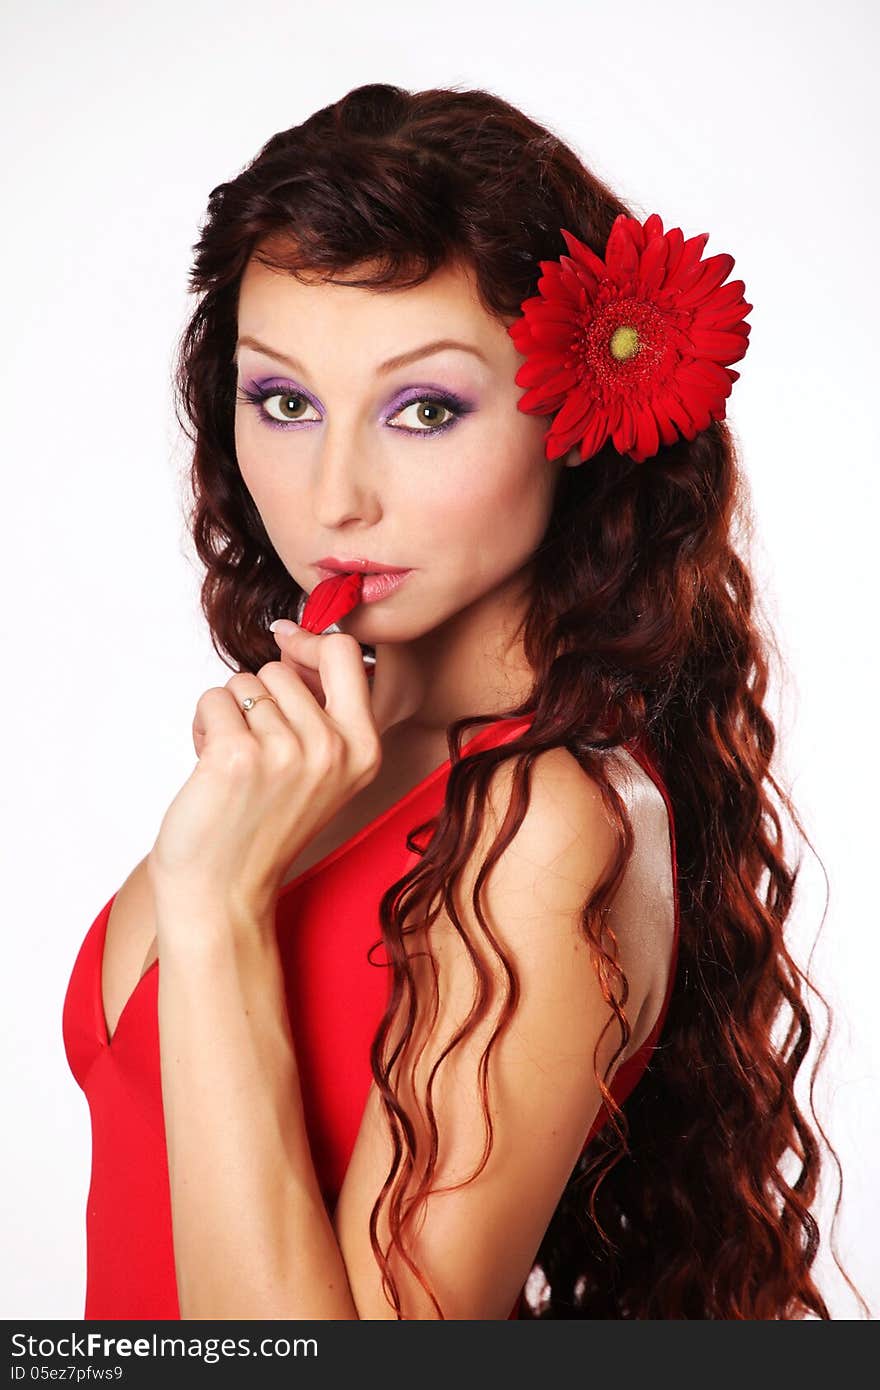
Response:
column 107, row 1040
column 353, row 840
column 640, row 748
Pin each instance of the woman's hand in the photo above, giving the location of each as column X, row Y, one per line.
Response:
column 268, row 779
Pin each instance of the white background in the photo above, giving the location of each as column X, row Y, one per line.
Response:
column 752, row 122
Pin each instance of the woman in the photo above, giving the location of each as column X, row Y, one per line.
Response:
column 282, row 1129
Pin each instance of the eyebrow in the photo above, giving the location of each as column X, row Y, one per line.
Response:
column 401, row 360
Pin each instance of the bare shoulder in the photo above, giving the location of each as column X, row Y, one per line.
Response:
column 534, row 897
column 566, row 829
column 558, row 855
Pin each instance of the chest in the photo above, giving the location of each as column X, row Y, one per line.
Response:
column 406, row 763
column 130, row 945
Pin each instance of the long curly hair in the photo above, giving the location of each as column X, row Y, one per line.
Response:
column 694, row 1201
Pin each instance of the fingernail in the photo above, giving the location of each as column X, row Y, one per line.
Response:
column 283, row 627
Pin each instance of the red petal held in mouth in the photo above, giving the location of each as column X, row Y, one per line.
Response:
column 331, row 600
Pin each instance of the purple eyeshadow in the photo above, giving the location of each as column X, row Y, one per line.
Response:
column 270, row 385
column 259, row 389
column 433, row 392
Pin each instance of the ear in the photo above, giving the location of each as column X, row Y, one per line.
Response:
column 573, row 458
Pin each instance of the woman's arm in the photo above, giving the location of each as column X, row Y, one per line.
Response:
column 252, row 1237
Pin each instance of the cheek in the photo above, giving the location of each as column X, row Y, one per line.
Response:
column 262, row 470
column 265, row 480
column 245, row 454
column 495, row 512
column 243, row 437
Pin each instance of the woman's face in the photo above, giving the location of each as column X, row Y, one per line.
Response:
column 423, row 463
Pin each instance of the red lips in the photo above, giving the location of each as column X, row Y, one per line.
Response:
column 330, row 562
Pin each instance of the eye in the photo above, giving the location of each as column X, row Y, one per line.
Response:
column 428, row 415
column 290, row 405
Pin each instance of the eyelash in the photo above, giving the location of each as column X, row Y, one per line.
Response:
column 447, row 401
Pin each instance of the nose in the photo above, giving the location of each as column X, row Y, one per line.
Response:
column 344, row 484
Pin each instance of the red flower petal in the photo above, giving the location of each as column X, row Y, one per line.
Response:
column 551, row 283
column 621, row 253
column 729, row 294
column 539, row 401
column 699, row 282
column 691, row 253
column 711, row 316
column 724, row 347
column 545, row 371
column 678, row 414
column 549, row 336
column 625, row 434
column 555, row 445
column 331, row 600
column 675, row 241
column 596, row 434
column 571, row 284
column 706, row 375
column 553, row 311
column 652, row 269
column 647, row 435
column 566, row 379
column 584, row 256
column 668, row 431
column 583, row 280
column 614, row 412
column 574, row 413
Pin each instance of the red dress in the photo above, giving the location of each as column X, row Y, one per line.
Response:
column 326, row 920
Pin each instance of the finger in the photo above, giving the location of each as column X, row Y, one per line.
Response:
column 350, row 707
column 306, row 674
column 218, row 711
column 293, row 707
column 293, row 644
column 347, row 690
column 302, row 646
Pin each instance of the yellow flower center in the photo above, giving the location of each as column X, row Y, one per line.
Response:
column 624, row 343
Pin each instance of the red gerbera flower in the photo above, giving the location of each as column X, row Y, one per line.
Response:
column 633, row 348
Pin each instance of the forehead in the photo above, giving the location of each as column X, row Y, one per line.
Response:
column 280, row 309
